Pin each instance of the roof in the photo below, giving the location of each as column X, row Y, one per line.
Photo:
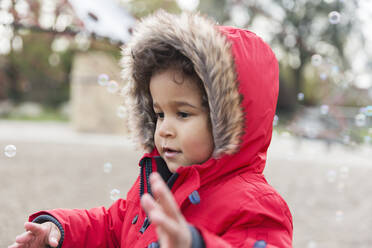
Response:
column 105, row 18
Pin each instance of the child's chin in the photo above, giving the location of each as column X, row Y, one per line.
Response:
column 173, row 166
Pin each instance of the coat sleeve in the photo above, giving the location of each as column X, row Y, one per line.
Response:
column 96, row 227
column 269, row 223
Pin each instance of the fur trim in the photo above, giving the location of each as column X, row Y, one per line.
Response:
column 199, row 39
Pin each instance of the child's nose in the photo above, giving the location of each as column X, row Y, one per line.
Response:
column 166, row 128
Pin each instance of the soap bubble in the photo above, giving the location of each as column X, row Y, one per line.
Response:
column 107, row 167
column 334, row 17
column 276, row 120
column 316, row 60
column 335, row 70
column 339, row 215
column 300, row 96
column 360, row 120
column 103, row 79
column 121, row 112
column 323, row 76
column 112, row 86
column 10, row 151
column 115, row 194
column 324, row 109
column 367, row 110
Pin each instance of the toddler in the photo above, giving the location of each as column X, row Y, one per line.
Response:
column 202, row 100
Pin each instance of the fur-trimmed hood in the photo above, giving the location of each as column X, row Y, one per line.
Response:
column 240, row 76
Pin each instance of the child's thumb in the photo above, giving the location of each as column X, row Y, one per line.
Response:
column 54, row 236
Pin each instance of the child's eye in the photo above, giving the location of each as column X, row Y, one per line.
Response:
column 160, row 115
column 183, row 114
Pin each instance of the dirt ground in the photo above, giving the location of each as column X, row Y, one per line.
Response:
column 328, row 188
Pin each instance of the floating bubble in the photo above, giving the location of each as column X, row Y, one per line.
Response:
column 276, row 120
column 107, row 167
column 115, row 194
column 367, row 110
column 103, row 79
column 10, row 151
column 360, row 120
column 300, row 96
column 324, row 109
column 112, row 86
column 121, row 112
column 331, row 176
column 335, row 70
column 367, row 139
column 334, row 17
column 316, row 60
column 323, row 76
column 339, row 215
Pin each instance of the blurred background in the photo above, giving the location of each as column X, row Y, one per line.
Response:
column 62, row 129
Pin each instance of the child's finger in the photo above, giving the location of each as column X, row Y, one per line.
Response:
column 157, row 215
column 148, row 203
column 165, row 197
column 24, row 237
column 35, row 228
column 15, row 245
column 168, row 226
column 54, row 236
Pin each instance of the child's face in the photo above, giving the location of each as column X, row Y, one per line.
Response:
column 182, row 136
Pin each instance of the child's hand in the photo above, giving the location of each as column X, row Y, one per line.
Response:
column 171, row 226
column 38, row 236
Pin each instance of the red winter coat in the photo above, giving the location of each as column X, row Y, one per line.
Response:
column 237, row 206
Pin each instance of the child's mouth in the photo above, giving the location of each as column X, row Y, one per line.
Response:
column 170, row 153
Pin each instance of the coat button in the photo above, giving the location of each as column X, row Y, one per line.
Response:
column 134, row 221
column 194, row 197
column 260, row 244
column 154, row 245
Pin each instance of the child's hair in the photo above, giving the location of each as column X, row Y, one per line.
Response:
column 160, row 57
